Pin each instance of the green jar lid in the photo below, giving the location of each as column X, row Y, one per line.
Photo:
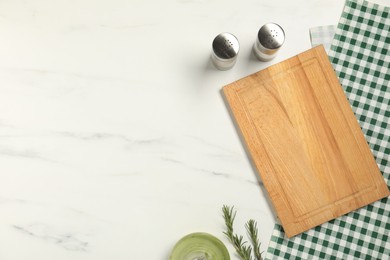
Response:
column 199, row 246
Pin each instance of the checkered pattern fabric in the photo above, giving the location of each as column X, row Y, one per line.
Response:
column 361, row 57
column 322, row 35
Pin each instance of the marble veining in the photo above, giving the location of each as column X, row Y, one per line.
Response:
column 68, row 241
column 28, row 154
column 115, row 140
column 211, row 172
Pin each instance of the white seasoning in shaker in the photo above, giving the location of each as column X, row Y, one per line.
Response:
column 268, row 41
column 225, row 51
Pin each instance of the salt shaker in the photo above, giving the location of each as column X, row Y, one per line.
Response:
column 225, row 51
column 269, row 40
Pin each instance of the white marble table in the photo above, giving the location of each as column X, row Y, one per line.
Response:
column 115, row 140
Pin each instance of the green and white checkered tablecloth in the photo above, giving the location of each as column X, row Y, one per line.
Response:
column 361, row 57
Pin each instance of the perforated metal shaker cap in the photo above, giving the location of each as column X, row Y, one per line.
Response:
column 225, row 51
column 269, row 40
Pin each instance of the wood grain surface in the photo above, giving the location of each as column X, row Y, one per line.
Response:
column 305, row 141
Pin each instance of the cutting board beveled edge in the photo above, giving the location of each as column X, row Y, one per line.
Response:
column 302, row 189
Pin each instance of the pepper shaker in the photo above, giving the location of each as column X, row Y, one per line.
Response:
column 225, row 51
column 269, row 40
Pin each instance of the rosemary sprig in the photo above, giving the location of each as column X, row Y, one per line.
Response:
column 251, row 228
column 243, row 250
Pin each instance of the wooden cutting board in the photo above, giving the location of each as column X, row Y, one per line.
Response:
column 305, row 141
